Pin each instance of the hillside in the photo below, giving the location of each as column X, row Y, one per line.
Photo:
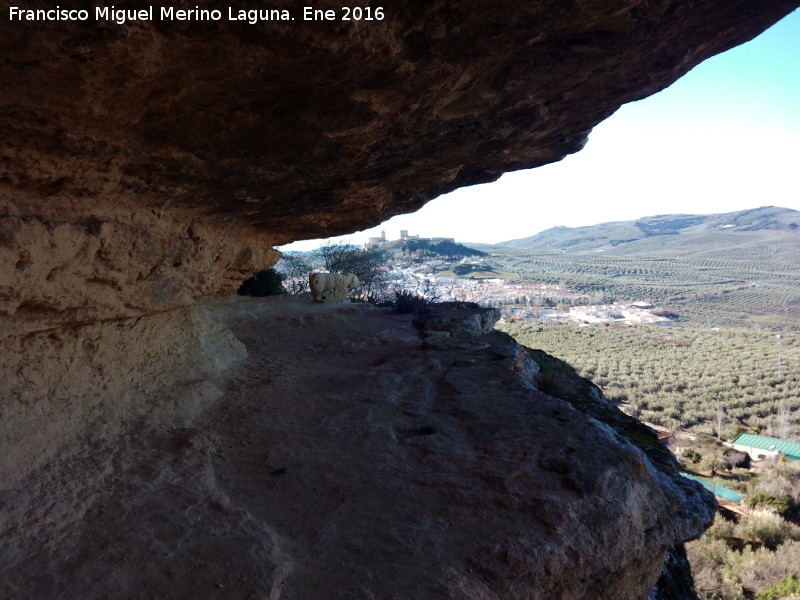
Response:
column 766, row 233
column 703, row 292
column 431, row 247
column 676, row 377
column 723, row 270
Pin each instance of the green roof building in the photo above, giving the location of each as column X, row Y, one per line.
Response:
column 763, row 446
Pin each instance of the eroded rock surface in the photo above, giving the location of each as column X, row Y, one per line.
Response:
column 55, row 273
column 348, row 459
column 66, row 390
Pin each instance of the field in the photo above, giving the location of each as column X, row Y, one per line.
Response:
column 701, row 292
column 474, row 272
column 699, row 380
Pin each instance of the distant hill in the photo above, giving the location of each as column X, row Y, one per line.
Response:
column 768, row 232
column 443, row 248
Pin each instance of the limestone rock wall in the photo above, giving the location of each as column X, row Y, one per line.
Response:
column 66, row 390
column 98, row 268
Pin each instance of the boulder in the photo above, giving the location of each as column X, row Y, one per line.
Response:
column 332, row 287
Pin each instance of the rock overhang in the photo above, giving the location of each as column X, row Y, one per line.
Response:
column 261, row 134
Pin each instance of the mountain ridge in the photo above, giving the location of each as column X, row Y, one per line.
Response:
column 734, row 233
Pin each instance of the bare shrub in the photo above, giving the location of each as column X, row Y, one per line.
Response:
column 295, row 269
column 767, row 527
column 409, row 303
column 367, row 265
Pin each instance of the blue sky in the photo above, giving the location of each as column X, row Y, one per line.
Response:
column 724, row 137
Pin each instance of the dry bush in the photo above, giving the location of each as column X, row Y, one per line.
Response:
column 763, row 525
column 721, row 573
column 781, row 482
column 725, row 569
column 756, row 569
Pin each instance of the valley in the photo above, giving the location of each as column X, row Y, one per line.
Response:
column 690, row 323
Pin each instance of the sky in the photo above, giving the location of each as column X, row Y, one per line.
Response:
column 724, row 137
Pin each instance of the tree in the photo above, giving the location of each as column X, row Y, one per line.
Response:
column 785, row 419
column 713, row 462
column 367, row 265
column 430, row 292
column 337, row 257
column 295, row 268
column 598, row 297
column 719, row 419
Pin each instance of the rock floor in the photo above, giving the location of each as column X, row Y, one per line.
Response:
column 349, row 459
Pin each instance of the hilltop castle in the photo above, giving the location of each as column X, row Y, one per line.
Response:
column 382, row 243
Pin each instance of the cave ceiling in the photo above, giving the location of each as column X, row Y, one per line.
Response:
column 314, row 128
